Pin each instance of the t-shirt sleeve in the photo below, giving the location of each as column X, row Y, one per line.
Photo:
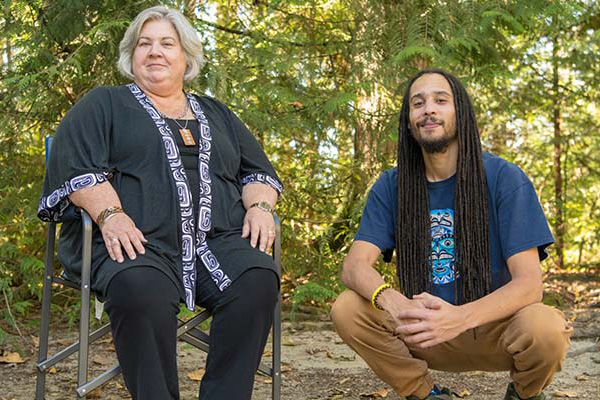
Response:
column 377, row 221
column 255, row 167
column 521, row 220
column 79, row 154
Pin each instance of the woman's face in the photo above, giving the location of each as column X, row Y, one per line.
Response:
column 158, row 58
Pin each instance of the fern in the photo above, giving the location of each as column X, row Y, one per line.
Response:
column 508, row 20
column 314, row 293
column 414, row 51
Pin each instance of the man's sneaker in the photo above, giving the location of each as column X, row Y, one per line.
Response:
column 445, row 394
column 511, row 394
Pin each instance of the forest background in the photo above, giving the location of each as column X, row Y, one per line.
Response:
column 320, row 83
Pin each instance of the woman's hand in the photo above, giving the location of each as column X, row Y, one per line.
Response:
column 259, row 225
column 119, row 232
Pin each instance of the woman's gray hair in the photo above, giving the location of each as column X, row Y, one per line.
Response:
column 190, row 42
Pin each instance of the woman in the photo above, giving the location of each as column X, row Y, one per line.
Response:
column 182, row 197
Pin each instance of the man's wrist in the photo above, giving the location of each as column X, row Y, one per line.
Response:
column 466, row 310
column 389, row 297
column 377, row 293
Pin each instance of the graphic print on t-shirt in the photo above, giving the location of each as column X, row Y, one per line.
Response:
column 442, row 246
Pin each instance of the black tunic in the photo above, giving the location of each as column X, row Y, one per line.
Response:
column 108, row 135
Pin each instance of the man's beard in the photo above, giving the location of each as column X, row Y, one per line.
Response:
column 433, row 145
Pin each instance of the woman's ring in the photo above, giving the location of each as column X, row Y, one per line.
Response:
column 114, row 240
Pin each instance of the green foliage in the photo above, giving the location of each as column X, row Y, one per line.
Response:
column 49, row 60
column 320, row 84
column 312, row 293
column 411, row 52
column 3, row 336
column 185, row 314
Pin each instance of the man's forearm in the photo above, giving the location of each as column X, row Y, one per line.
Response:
column 525, row 288
column 502, row 302
column 358, row 273
column 363, row 279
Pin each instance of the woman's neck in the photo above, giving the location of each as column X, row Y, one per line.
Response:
column 170, row 102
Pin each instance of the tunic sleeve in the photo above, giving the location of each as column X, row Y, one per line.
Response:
column 79, row 157
column 254, row 164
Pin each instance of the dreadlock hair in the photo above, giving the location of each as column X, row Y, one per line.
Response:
column 471, row 228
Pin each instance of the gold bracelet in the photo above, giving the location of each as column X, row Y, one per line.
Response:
column 264, row 206
column 106, row 213
column 376, row 294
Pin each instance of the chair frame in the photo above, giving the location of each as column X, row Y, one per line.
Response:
column 187, row 331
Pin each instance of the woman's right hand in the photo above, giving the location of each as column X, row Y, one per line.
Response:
column 119, row 232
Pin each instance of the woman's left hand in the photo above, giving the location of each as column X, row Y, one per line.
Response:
column 260, row 226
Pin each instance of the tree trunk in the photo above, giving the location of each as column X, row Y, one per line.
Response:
column 558, row 183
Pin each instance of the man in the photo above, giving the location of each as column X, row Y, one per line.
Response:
column 469, row 235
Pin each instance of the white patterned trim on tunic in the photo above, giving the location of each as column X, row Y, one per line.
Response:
column 258, row 177
column 193, row 241
column 52, row 207
column 211, row 263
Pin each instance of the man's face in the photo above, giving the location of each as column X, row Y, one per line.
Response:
column 432, row 114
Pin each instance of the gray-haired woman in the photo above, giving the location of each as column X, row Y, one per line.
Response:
column 182, row 196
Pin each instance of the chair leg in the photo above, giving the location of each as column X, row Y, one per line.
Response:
column 277, row 352
column 40, row 386
column 276, row 370
column 84, row 322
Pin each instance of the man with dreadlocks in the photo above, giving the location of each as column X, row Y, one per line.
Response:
column 469, row 235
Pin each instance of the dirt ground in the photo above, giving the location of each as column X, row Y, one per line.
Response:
column 317, row 365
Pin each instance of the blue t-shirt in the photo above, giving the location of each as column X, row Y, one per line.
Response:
column 516, row 221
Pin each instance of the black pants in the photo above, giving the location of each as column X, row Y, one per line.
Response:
column 143, row 303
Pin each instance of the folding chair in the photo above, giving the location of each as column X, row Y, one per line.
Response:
column 187, row 331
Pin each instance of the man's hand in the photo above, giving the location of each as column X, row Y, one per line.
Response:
column 394, row 302
column 259, row 225
column 438, row 321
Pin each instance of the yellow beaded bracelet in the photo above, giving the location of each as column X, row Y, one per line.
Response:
column 376, row 294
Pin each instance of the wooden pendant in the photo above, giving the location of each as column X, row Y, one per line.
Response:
column 188, row 138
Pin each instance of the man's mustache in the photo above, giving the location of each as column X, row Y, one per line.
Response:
column 425, row 120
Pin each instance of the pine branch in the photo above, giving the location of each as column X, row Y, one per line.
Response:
column 257, row 36
column 566, row 88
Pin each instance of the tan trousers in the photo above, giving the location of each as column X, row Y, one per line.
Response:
column 531, row 344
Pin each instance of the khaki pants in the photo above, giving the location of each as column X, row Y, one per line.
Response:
column 531, row 344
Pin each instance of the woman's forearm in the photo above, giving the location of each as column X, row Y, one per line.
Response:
column 258, row 225
column 255, row 192
column 120, row 234
column 95, row 199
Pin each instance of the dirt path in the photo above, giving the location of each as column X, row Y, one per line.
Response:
column 325, row 368
column 316, row 365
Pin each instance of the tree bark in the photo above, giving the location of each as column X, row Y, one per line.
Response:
column 557, row 141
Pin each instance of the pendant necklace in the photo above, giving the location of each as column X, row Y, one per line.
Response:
column 186, row 134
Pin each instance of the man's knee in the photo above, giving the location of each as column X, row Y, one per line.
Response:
column 346, row 311
column 542, row 328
